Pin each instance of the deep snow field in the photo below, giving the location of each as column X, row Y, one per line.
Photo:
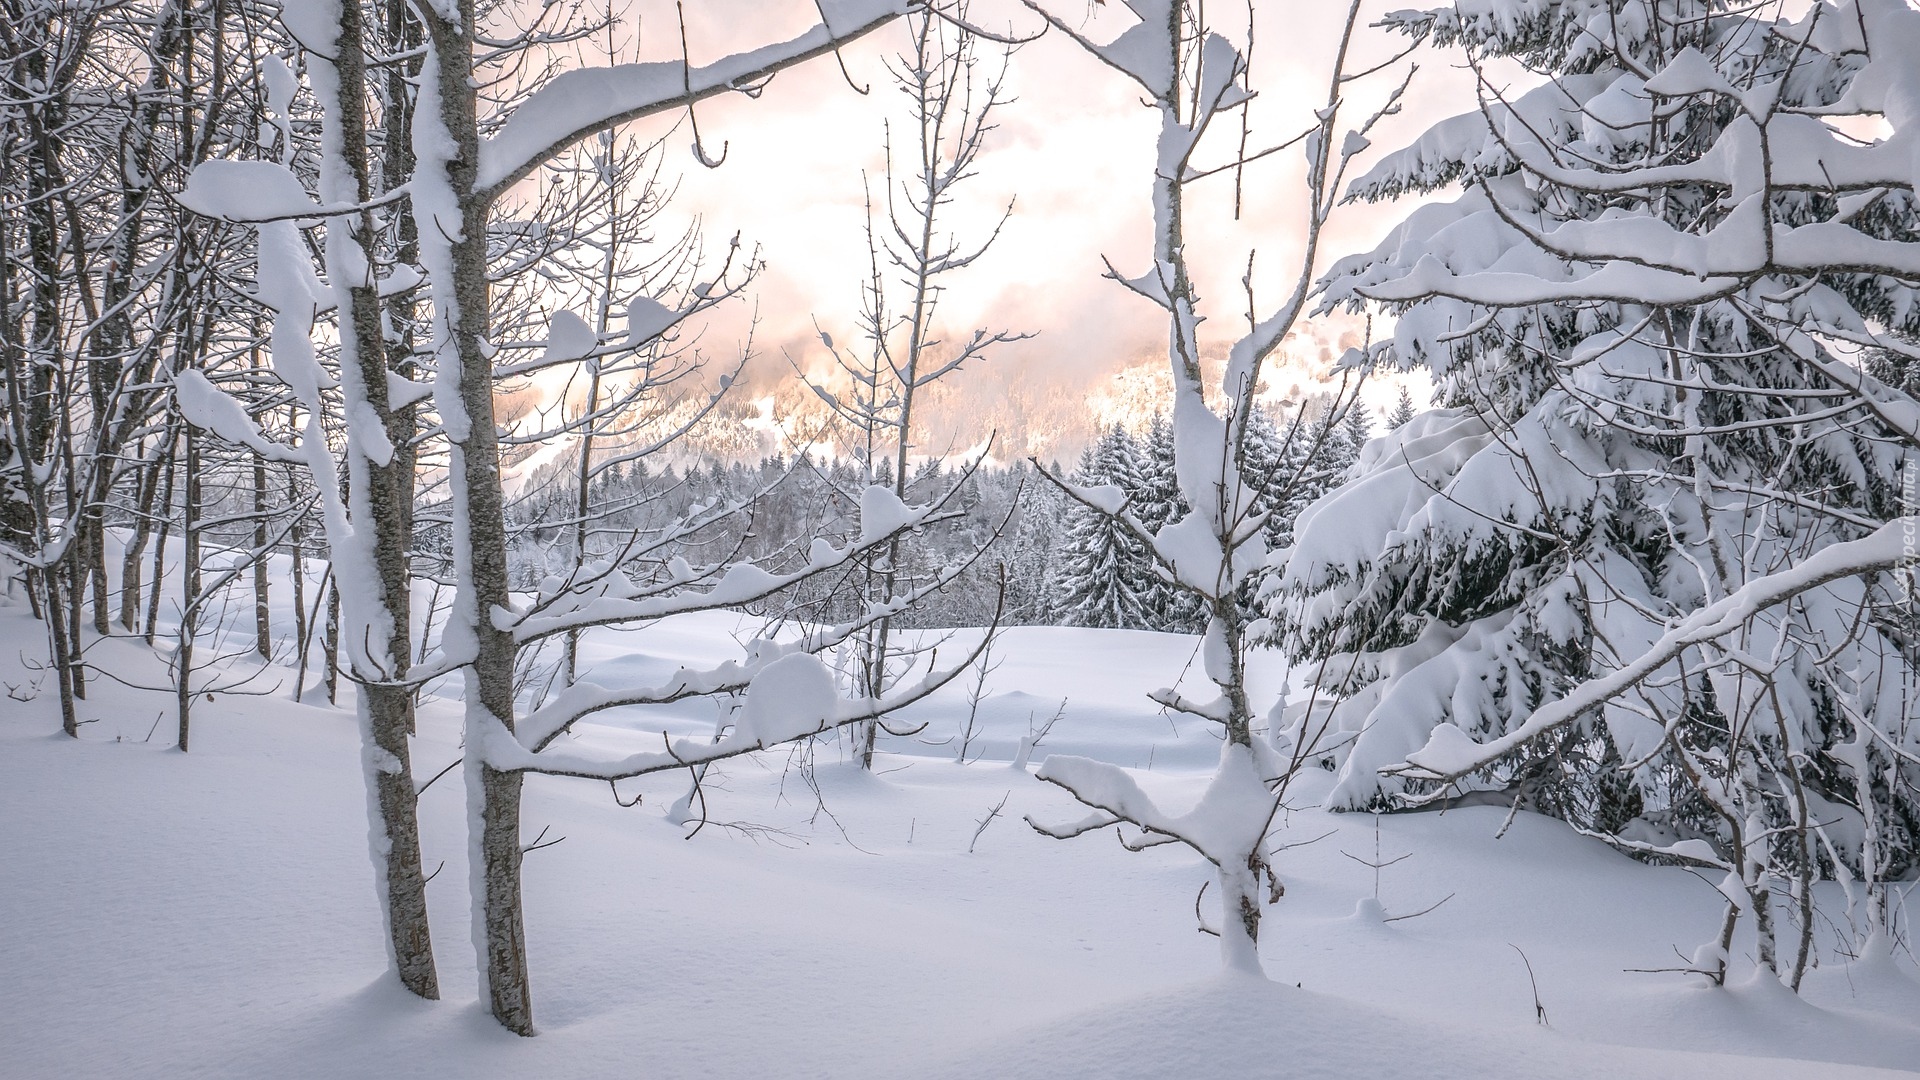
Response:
column 211, row 914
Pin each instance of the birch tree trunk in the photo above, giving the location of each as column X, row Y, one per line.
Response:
column 379, row 497
column 448, row 206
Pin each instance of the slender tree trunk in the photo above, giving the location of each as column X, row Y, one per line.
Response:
column 1763, row 929
column 308, row 617
column 426, row 623
column 262, row 609
column 1729, row 920
column 1240, row 916
column 262, row 601
column 74, row 566
column 397, row 105
column 145, row 499
column 330, row 644
column 189, row 587
column 63, row 664
column 1239, row 882
column 297, row 555
column 95, row 545
column 160, row 544
column 380, row 493
column 76, row 570
column 1803, row 899
column 584, row 478
column 479, row 533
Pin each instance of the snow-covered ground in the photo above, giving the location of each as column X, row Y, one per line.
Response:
column 210, row 914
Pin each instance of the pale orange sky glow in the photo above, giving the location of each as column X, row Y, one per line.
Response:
column 1073, row 152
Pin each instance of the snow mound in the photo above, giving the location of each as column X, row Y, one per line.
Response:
column 1241, row 1027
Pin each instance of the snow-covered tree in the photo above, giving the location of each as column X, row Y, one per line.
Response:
column 105, row 286
column 1296, row 459
column 1642, row 569
column 595, row 242
column 1103, row 576
column 1402, row 411
column 952, row 102
column 367, row 512
column 789, row 694
column 1033, row 557
column 1192, row 76
column 461, row 173
column 1157, row 502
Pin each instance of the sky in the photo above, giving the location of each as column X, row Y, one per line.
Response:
column 1072, row 153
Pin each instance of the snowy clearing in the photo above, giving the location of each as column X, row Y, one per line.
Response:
column 208, row 914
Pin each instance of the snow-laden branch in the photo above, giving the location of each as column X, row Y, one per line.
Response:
column 1765, row 152
column 210, row 408
column 542, row 725
column 259, row 192
column 1897, row 410
column 1228, row 827
column 1140, row 52
column 1228, row 822
column 577, row 104
column 791, row 698
column 1451, row 753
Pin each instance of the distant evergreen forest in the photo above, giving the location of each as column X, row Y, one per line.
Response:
column 1064, row 563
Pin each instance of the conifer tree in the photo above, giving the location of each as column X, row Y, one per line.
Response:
column 1156, row 502
column 1104, row 576
column 1630, row 307
column 1038, row 547
column 1402, row 411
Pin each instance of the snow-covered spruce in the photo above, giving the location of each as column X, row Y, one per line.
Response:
column 1650, row 307
column 1104, row 576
